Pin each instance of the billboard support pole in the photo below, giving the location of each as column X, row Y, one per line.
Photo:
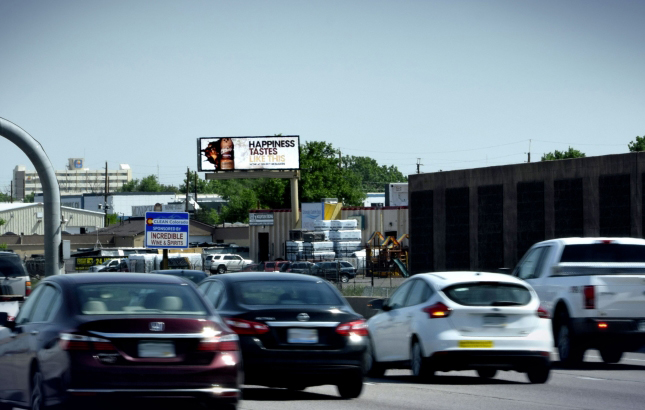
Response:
column 295, row 212
column 51, row 192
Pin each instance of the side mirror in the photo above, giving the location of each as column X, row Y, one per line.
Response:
column 506, row 271
column 377, row 304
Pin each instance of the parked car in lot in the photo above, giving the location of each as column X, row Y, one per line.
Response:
column 14, row 279
column 461, row 321
column 301, row 267
column 97, row 336
column 295, row 330
column 594, row 288
column 107, row 265
column 194, row 276
column 122, row 266
column 334, row 271
column 222, row 263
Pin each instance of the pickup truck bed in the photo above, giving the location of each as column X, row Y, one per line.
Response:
column 594, row 290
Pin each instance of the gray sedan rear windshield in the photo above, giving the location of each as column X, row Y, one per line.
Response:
column 286, row 292
column 488, row 294
column 138, row 298
column 604, row 252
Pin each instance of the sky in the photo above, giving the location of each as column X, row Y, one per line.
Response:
column 449, row 84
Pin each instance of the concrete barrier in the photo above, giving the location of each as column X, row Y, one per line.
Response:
column 359, row 304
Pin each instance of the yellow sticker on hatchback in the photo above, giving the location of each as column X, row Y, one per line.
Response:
column 476, row 344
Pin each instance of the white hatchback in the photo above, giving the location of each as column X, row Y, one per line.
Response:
column 447, row 321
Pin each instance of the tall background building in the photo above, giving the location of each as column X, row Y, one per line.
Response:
column 76, row 179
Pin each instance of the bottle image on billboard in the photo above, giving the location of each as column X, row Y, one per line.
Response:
column 227, row 161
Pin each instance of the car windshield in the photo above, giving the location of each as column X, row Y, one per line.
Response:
column 286, row 292
column 11, row 267
column 138, row 298
column 488, row 294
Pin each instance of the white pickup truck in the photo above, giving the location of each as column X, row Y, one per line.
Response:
column 594, row 290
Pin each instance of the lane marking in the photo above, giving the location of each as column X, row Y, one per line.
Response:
column 632, row 360
column 590, row 378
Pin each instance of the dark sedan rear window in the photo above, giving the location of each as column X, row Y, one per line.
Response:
column 488, row 294
column 138, row 298
column 291, row 292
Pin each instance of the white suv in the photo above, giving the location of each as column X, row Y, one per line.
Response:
column 221, row 263
column 447, row 321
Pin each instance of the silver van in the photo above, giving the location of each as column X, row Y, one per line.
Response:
column 14, row 279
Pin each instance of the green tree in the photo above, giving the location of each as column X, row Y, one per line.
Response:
column 29, row 198
column 322, row 177
column 2, row 222
column 5, row 197
column 637, row 145
column 373, row 177
column 147, row 184
column 570, row 153
column 207, row 216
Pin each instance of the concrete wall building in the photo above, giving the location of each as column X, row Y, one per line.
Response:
column 27, row 219
column 74, row 180
column 486, row 218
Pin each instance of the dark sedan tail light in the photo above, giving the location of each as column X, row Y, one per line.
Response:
column 438, row 310
column 226, row 343
column 71, row 341
column 247, row 327
column 357, row 328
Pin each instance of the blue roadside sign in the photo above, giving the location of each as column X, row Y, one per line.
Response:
column 167, row 230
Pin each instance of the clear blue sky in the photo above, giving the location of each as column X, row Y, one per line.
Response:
column 459, row 84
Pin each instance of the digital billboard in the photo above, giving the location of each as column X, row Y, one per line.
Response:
column 249, row 153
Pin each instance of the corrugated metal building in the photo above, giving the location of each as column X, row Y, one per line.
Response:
column 27, row 219
column 267, row 242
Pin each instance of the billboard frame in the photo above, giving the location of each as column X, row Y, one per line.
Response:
column 232, row 171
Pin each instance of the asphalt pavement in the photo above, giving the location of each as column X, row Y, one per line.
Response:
column 594, row 385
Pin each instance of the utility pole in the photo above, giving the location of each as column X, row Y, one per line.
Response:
column 187, row 186
column 196, row 180
column 529, row 153
column 419, row 165
column 340, row 160
column 105, row 196
column 11, row 192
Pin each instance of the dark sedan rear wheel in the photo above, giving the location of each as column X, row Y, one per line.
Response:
column 486, row 373
column 351, row 387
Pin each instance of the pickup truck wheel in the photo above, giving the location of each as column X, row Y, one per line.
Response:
column 568, row 349
column 610, row 356
column 344, row 278
column 221, row 269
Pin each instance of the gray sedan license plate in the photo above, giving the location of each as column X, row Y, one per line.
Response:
column 156, row 349
column 297, row 335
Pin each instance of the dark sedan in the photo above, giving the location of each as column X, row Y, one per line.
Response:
column 94, row 336
column 295, row 330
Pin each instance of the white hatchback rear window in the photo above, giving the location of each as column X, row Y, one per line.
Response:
column 488, row 294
